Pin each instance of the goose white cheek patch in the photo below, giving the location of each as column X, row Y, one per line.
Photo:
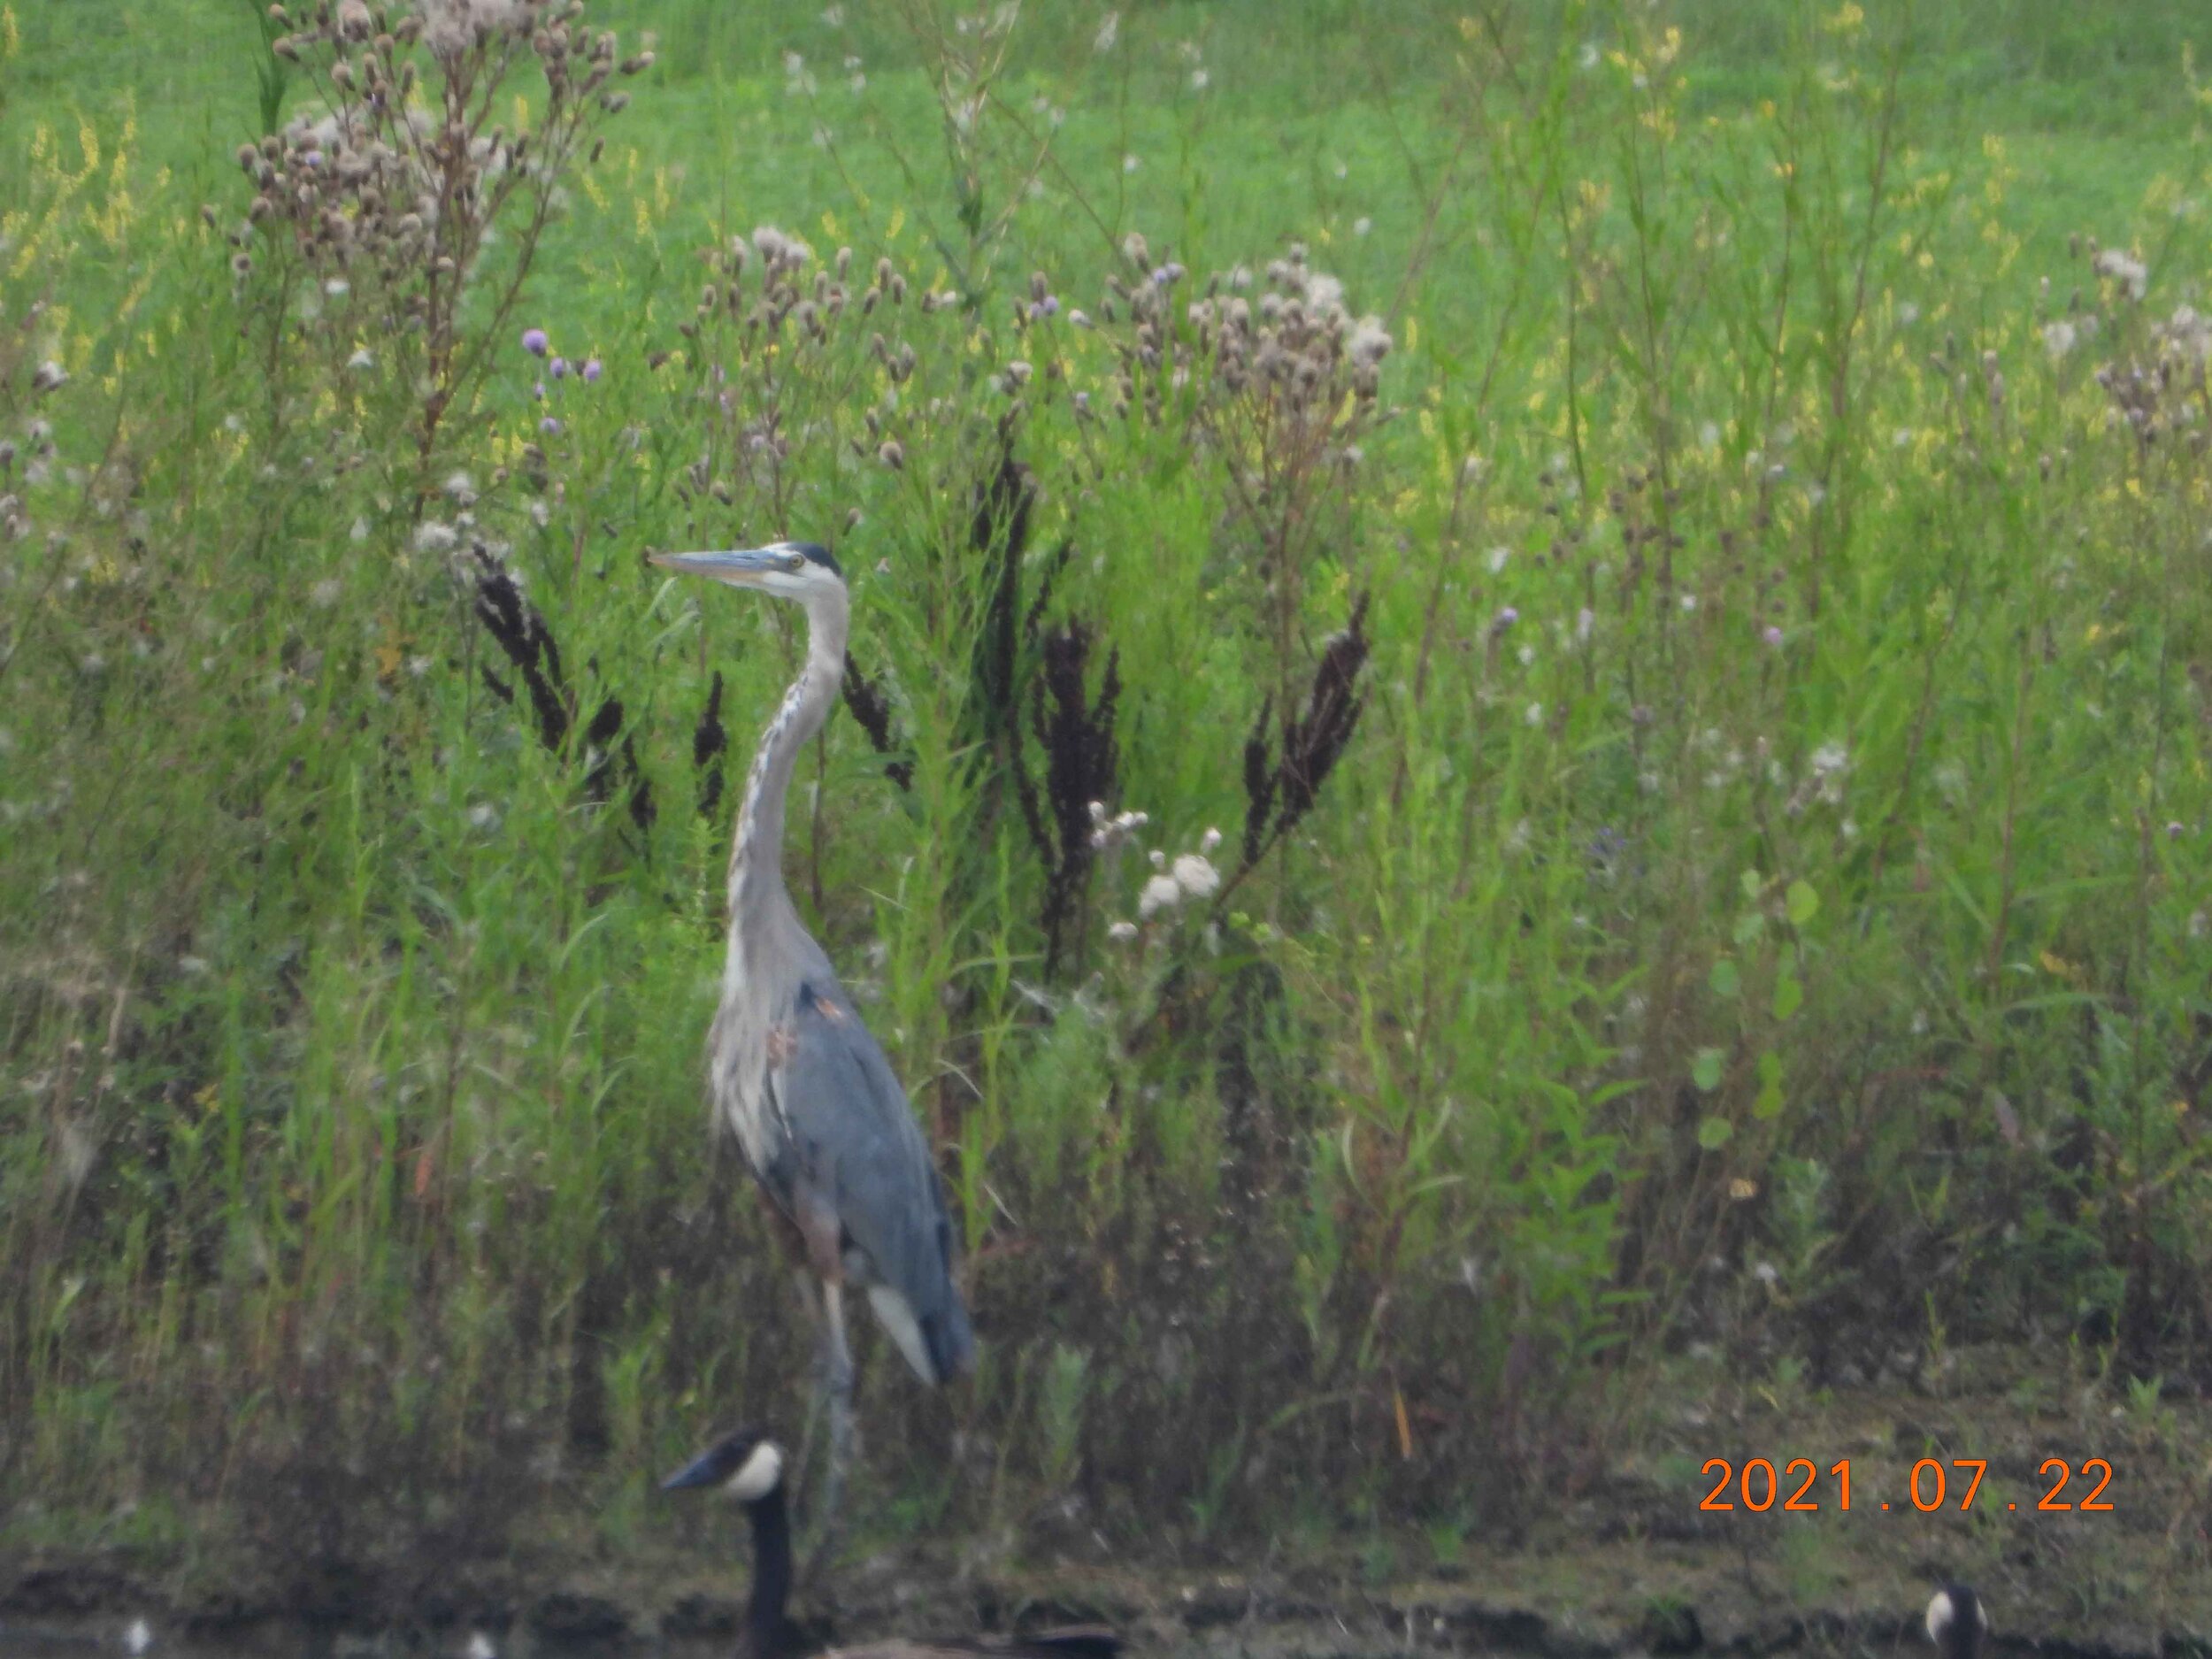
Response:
column 1940, row 1616
column 757, row 1475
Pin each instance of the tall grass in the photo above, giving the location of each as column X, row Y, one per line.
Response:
column 1662, row 654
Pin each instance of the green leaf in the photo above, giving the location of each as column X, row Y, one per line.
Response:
column 1725, row 979
column 1754, row 885
column 1789, row 996
column 1705, row 1069
column 1771, row 1068
column 1770, row 1102
column 1749, row 925
column 1804, row 903
column 1715, row 1133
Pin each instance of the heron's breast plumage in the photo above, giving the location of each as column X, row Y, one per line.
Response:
column 740, row 1046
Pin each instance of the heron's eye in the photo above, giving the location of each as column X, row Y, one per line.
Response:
column 795, row 563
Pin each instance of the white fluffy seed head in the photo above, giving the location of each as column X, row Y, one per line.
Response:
column 1162, row 893
column 1196, row 877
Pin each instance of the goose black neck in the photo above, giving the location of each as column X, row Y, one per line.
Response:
column 1962, row 1638
column 767, row 1629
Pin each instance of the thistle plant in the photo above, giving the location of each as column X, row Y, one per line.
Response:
column 794, row 369
column 1279, row 384
column 61, row 200
column 780, row 348
column 373, row 213
column 995, row 154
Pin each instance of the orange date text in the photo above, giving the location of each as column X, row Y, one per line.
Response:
column 1798, row 1485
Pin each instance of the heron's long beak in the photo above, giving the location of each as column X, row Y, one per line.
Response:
column 741, row 566
column 700, row 1471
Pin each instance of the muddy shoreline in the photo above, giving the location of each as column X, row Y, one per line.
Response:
column 53, row 1606
column 1633, row 1562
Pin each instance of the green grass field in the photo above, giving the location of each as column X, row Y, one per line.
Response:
column 1671, row 548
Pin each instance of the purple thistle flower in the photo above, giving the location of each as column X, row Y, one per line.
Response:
column 1508, row 616
column 1773, row 636
column 591, row 369
column 549, row 426
column 541, row 391
column 533, row 341
column 560, row 368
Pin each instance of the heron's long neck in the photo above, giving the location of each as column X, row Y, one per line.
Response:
column 766, row 1629
column 756, row 887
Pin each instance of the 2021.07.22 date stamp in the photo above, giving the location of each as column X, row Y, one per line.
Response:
column 1757, row 1485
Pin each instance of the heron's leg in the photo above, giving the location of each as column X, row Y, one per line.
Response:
column 810, row 1297
column 839, row 1386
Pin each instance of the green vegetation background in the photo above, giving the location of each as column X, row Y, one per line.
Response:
column 1760, row 912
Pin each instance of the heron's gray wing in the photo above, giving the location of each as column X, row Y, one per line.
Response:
column 856, row 1144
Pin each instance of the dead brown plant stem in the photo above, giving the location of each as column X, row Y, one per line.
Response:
column 2146, row 817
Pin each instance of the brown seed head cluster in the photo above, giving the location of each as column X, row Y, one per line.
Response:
column 2156, row 395
column 1293, row 354
column 403, row 177
column 789, row 288
column 37, row 462
column 2157, row 388
column 773, row 317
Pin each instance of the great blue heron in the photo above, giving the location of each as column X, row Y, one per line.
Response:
column 1956, row 1621
column 822, row 1120
column 747, row 1466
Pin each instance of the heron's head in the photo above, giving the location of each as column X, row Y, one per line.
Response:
column 746, row 1466
column 789, row 569
column 1956, row 1622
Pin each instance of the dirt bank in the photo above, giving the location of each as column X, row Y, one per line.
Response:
column 1638, row 1559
